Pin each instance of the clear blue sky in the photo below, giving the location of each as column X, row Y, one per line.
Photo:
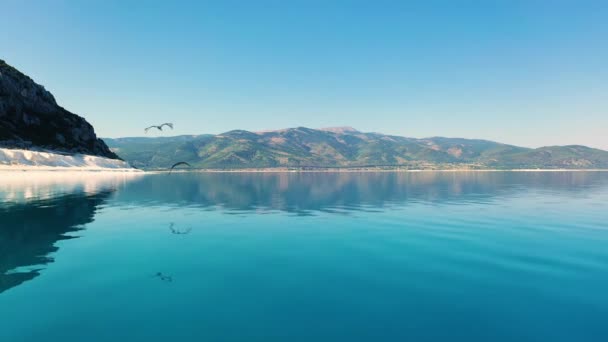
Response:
column 530, row 73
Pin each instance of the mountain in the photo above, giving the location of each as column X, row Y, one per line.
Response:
column 31, row 118
column 345, row 147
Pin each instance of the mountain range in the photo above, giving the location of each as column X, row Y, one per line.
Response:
column 31, row 119
column 345, row 147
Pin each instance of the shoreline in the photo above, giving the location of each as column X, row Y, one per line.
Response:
column 4, row 169
column 279, row 170
column 20, row 169
column 19, row 160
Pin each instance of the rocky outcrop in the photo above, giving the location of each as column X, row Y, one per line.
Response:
column 31, row 118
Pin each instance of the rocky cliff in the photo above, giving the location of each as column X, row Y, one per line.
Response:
column 31, row 118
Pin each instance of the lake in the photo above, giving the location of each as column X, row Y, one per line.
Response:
column 427, row 256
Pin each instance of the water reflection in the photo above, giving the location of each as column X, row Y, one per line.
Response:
column 20, row 187
column 305, row 193
column 29, row 232
column 430, row 258
column 37, row 213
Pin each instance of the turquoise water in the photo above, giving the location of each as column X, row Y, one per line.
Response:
column 305, row 257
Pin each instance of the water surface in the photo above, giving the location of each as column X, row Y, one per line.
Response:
column 496, row 256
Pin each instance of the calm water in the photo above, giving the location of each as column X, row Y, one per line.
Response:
column 305, row 257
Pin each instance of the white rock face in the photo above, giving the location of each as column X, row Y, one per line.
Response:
column 15, row 159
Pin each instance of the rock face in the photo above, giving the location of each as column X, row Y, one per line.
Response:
column 31, row 118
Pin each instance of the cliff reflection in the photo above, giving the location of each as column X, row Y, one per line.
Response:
column 35, row 215
column 302, row 193
column 29, row 232
column 19, row 187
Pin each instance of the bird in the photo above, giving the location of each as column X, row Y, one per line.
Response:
column 178, row 164
column 159, row 127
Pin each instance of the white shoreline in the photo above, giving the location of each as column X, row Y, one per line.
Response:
column 42, row 169
column 19, row 160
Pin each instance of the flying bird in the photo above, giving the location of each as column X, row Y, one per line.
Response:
column 159, row 127
column 178, row 164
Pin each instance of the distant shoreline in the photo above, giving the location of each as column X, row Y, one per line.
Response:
column 368, row 170
column 4, row 169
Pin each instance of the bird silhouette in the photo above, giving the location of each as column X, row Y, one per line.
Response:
column 159, row 127
column 178, row 164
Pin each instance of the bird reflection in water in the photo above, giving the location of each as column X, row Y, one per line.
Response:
column 164, row 277
column 178, row 231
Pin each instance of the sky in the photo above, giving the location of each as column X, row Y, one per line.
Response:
column 530, row 73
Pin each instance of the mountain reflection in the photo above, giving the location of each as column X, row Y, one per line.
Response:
column 36, row 214
column 303, row 193
column 29, row 232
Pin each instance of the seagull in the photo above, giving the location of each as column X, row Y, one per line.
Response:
column 178, row 164
column 160, row 127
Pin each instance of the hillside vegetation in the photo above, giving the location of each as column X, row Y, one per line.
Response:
column 345, row 147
